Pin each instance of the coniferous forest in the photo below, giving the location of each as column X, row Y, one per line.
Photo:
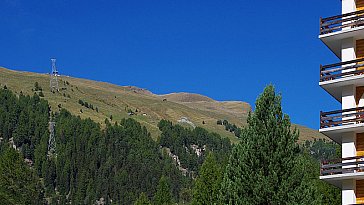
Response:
column 119, row 162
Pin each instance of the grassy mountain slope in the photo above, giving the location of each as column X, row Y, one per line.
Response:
column 148, row 108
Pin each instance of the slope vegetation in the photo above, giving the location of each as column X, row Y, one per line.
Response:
column 102, row 100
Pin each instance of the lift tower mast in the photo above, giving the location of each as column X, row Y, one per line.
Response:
column 54, row 74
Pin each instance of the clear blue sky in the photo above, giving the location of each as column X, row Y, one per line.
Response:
column 227, row 50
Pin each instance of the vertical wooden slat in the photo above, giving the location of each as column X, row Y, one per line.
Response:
column 359, row 51
column 358, row 95
column 360, row 144
column 359, row 191
column 359, row 48
column 359, row 5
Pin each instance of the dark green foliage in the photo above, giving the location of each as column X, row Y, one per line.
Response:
column 86, row 104
column 130, row 111
column 18, row 183
column 142, row 200
column 186, row 143
column 230, row 127
column 163, row 195
column 37, row 87
column 207, row 185
column 322, row 149
column 24, row 119
column 117, row 163
column 121, row 161
column 329, row 193
column 266, row 167
column 185, row 196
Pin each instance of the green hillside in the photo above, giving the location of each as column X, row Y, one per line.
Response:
column 132, row 102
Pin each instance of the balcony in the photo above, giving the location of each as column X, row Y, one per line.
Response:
column 334, row 29
column 338, row 23
column 342, row 166
column 334, row 171
column 334, row 76
column 334, row 124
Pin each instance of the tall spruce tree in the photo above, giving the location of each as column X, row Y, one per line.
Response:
column 163, row 195
column 266, row 167
column 207, row 186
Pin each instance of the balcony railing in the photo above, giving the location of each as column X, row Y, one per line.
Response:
column 337, row 23
column 342, row 166
column 341, row 70
column 341, row 117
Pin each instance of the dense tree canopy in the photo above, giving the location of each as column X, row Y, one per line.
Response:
column 191, row 146
column 120, row 163
column 115, row 163
column 266, row 168
column 18, row 183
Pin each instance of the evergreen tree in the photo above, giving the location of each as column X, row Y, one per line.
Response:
column 207, row 186
column 163, row 195
column 142, row 200
column 18, row 183
column 265, row 167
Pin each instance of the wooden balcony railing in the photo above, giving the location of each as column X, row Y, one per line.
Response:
column 337, row 23
column 342, row 166
column 341, row 70
column 341, row 117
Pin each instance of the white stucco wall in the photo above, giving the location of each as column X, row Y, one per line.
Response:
column 348, row 139
column 348, row 50
column 348, row 192
column 348, row 97
column 348, row 6
column 348, row 145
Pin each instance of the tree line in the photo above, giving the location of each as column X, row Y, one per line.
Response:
column 120, row 163
column 230, row 127
column 116, row 164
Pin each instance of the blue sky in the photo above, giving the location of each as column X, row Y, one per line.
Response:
column 227, row 50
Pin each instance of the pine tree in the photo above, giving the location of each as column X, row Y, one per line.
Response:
column 207, row 186
column 142, row 200
column 18, row 183
column 266, row 167
column 163, row 195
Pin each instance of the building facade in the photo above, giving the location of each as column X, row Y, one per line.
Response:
column 344, row 80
